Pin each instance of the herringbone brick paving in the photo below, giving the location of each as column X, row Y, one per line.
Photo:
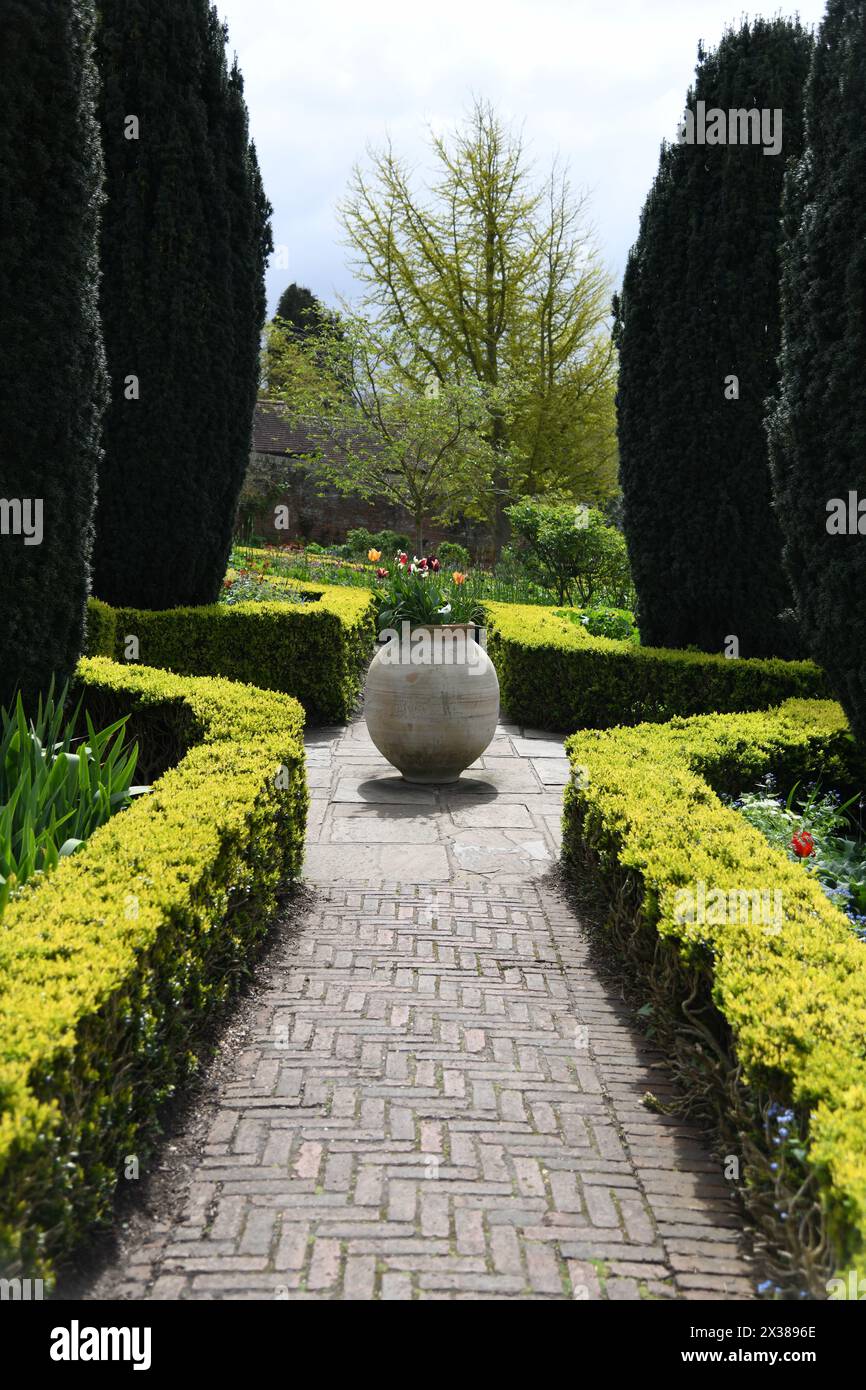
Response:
column 439, row 1098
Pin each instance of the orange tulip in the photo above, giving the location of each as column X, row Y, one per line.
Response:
column 458, row 577
column 373, row 556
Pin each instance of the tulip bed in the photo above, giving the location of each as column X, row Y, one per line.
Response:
column 316, row 651
column 112, row 964
column 764, row 1025
column 554, row 675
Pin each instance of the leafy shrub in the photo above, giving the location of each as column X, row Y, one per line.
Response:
column 360, row 541
column 554, row 675
column 573, row 552
column 56, row 788
column 317, row 651
column 761, row 1026
column 616, row 623
column 112, row 966
column 453, row 556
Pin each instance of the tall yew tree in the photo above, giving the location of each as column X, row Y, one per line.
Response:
column 817, row 428
column 52, row 375
column 185, row 240
column 700, row 306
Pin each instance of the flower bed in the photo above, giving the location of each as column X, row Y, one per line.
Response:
column 60, row 779
column 316, row 651
column 762, row 1016
column 242, row 586
column 110, row 966
column 554, row 675
column 820, row 832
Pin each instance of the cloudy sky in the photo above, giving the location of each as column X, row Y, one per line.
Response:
column 599, row 82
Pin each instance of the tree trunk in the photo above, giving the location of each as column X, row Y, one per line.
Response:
column 500, row 486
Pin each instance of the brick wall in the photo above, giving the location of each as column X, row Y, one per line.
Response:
column 319, row 513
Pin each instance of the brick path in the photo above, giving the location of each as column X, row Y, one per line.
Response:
column 438, row 1096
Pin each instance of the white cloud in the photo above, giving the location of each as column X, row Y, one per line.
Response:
column 600, row 83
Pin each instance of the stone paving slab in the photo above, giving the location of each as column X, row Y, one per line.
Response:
column 437, row 1096
column 469, row 825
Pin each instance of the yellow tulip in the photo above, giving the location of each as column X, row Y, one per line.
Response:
column 373, row 556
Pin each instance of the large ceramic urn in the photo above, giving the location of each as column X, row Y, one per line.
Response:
column 432, row 701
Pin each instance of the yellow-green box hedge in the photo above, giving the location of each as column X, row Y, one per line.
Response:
column 111, row 965
column 787, row 1008
column 554, row 675
column 317, row 651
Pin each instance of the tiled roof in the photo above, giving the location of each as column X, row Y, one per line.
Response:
column 274, row 433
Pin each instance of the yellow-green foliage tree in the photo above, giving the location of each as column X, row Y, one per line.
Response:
column 373, row 433
column 492, row 275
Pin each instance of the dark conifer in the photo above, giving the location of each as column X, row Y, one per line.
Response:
column 817, row 426
column 185, row 241
column 299, row 307
column 52, row 372
column 700, row 306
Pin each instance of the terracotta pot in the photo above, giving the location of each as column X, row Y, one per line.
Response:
column 432, row 702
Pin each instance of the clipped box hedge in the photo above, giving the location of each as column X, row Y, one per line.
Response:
column 317, row 651
column 111, row 965
column 749, row 1015
column 554, row 675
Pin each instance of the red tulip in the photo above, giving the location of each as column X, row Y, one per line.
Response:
column 381, row 574
column 802, row 844
column 434, row 564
